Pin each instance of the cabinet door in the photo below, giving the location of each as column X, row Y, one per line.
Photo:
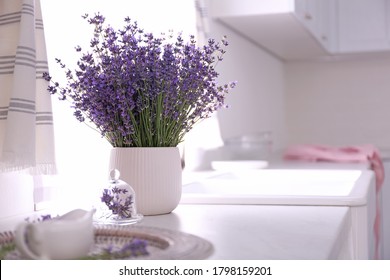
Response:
column 363, row 25
column 309, row 13
column 318, row 18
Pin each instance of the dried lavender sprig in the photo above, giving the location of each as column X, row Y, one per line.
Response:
column 115, row 202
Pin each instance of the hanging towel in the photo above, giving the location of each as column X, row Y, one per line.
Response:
column 26, row 120
column 363, row 153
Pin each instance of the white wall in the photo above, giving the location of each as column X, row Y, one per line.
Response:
column 339, row 102
column 257, row 103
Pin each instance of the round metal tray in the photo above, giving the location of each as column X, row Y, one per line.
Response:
column 162, row 244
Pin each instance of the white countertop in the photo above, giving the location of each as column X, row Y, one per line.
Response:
column 271, row 231
column 262, row 232
column 255, row 231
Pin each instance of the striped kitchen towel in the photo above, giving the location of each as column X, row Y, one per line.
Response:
column 26, row 120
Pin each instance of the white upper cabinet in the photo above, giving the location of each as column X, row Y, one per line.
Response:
column 272, row 24
column 318, row 17
column 363, row 25
column 305, row 29
column 310, row 14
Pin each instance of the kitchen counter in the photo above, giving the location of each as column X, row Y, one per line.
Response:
column 323, row 185
column 257, row 231
column 263, row 232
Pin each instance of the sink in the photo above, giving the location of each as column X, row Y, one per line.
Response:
column 281, row 186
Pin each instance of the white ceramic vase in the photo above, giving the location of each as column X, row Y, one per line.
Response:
column 155, row 175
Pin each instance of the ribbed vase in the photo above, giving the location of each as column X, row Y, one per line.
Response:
column 155, row 175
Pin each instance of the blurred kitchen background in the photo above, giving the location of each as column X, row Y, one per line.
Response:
column 308, row 71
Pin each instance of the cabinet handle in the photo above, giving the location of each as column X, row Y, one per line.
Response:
column 308, row 16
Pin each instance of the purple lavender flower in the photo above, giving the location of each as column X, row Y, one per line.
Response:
column 140, row 90
column 119, row 205
column 135, row 248
column 107, row 197
column 41, row 218
column 132, row 249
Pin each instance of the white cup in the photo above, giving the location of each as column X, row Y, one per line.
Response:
column 67, row 237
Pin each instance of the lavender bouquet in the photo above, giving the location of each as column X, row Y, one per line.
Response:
column 140, row 90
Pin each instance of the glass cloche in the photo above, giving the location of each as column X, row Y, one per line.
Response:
column 118, row 204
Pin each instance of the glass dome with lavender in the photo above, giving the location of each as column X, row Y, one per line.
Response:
column 117, row 205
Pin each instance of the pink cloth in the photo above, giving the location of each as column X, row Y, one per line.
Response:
column 364, row 153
